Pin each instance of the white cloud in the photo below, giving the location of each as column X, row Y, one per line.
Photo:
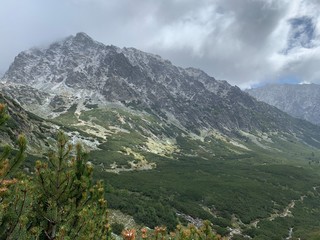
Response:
column 300, row 61
column 191, row 31
column 304, row 82
column 243, row 42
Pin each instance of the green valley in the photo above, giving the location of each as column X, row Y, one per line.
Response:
column 244, row 185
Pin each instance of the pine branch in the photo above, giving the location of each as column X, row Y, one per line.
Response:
column 19, row 214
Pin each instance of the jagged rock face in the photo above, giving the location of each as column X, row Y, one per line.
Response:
column 301, row 101
column 37, row 131
column 79, row 66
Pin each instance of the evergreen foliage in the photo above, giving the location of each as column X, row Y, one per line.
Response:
column 69, row 205
column 14, row 188
column 191, row 232
column 61, row 201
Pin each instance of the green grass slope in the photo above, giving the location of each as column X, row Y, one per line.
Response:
column 257, row 185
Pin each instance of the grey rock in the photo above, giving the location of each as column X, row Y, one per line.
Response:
column 80, row 68
column 298, row 100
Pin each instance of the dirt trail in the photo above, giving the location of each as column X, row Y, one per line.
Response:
column 237, row 230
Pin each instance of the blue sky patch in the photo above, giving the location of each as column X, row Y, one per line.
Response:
column 301, row 33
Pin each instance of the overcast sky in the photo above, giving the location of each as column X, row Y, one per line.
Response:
column 246, row 42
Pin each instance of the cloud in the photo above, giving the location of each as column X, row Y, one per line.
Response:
column 302, row 51
column 245, row 42
column 229, row 39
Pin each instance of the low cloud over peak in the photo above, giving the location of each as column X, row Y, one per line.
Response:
column 245, row 42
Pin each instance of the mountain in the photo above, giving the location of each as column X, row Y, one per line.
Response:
column 298, row 100
column 80, row 69
column 37, row 130
column 174, row 144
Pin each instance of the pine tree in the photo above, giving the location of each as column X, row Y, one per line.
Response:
column 14, row 188
column 60, row 202
column 8, row 166
column 69, row 205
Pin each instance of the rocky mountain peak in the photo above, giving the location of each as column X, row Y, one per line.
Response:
column 80, row 68
column 83, row 40
column 81, row 36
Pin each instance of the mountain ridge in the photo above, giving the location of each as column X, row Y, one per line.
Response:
column 298, row 100
column 22, row 122
column 78, row 73
column 79, row 66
